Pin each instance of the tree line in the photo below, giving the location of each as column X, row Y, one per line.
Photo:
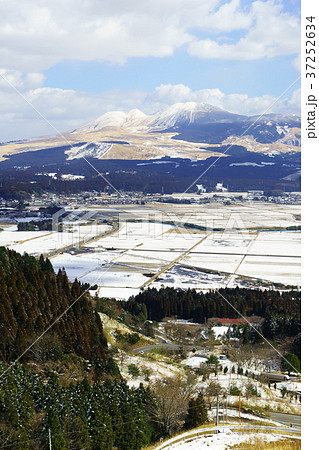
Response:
column 281, row 310
column 35, row 225
column 33, row 297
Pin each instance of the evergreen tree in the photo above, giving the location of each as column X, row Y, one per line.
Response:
column 290, row 363
column 53, row 424
column 196, row 414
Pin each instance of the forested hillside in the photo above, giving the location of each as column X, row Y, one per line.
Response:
column 74, row 392
column 79, row 416
column 33, row 297
column 68, row 388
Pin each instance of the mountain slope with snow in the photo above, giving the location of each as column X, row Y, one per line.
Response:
column 183, row 114
column 184, row 130
column 180, row 114
column 88, row 150
column 119, row 119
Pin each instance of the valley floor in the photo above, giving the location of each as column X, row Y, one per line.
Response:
column 188, row 246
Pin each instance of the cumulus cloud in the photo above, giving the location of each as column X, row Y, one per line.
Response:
column 166, row 95
column 69, row 109
column 38, row 35
column 36, row 111
column 231, row 17
column 35, row 36
column 18, row 80
column 273, row 33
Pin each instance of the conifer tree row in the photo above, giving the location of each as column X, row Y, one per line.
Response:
column 32, row 297
column 106, row 415
column 281, row 311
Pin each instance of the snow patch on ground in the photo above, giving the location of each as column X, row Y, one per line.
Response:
column 246, row 164
column 220, row 331
column 88, row 150
column 224, row 440
column 194, row 361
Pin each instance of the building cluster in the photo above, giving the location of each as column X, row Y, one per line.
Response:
column 14, row 209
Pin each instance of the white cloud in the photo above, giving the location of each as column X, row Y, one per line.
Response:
column 38, row 35
column 230, row 17
column 297, row 63
column 18, row 80
column 273, row 33
column 166, row 95
column 21, row 108
column 68, row 109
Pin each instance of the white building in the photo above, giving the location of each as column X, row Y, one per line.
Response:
column 220, row 187
column 200, row 189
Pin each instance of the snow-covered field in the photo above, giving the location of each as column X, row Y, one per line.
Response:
column 37, row 242
column 280, row 270
column 11, row 237
column 127, row 260
column 122, row 262
column 225, row 440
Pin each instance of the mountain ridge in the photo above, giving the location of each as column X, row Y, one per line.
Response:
column 175, row 115
column 186, row 130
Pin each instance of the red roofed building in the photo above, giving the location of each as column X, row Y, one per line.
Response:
column 232, row 321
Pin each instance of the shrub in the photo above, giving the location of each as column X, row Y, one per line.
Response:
column 251, row 390
column 283, row 392
column 133, row 338
column 133, row 370
column 234, row 390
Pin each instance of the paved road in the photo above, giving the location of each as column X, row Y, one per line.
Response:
column 149, row 348
column 287, row 419
column 175, row 261
column 82, row 242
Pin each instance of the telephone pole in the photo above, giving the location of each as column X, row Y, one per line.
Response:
column 217, row 410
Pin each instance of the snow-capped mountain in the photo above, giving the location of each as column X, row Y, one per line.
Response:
column 200, row 122
column 180, row 114
column 184, row 130
column 184, row 114
column 118, row 119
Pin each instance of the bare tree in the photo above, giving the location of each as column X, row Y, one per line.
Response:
column 42, row 348
column 168, row 403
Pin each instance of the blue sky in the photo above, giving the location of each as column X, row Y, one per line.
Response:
column 74, row 61
column 265, row 76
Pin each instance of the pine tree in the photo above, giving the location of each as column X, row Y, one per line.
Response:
column 53, row 424
column 197, row 413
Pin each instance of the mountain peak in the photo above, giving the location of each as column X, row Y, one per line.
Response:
column 177, row 114
column 193, row 106
column 118, row 119
column 188, row 113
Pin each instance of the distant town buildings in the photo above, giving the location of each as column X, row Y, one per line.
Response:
column 220, row 187
column 200, row 189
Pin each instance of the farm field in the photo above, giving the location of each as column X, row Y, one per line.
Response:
column 37, row 242
column 152, row 241
column 188, row 246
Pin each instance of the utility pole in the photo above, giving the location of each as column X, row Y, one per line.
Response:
column 226, row 408
column 50, row 443
column 217, row 410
